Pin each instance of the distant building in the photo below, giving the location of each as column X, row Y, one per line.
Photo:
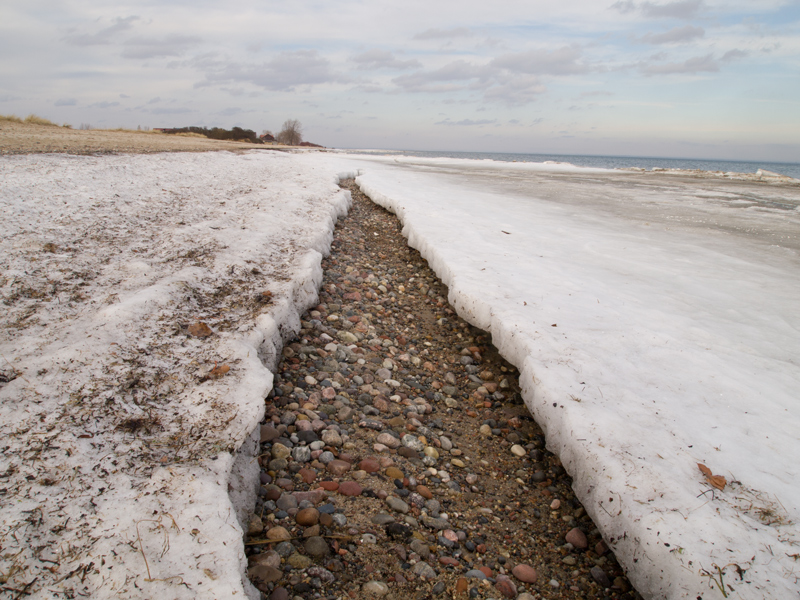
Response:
column 267, row 138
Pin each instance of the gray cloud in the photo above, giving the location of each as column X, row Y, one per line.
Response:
column 104, row 36
column 171, row 111
column 383, row 59
column 432, row 81
column 440, row 34
column 283, row 73
column 65, row 102
column 516, row 90
column 683, row 9
column 734, row 54
column 674, row 35
column 467, row 122
column 104, row 104
column 144, row 48
column 697, row 64
column 154, row 100
column 564, row 61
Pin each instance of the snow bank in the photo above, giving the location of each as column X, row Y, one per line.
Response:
column 128, row 443
column 656, row 326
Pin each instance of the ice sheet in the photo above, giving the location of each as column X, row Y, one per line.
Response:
column 127, row 465
column 655, row 319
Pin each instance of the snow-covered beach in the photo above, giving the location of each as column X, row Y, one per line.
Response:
column 655, row 322
column 127, row 465
column 653, row 318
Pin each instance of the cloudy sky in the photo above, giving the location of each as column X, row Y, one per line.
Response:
column 688, row 78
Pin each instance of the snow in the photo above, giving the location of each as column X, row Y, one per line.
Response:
column 127, row 466
column 655, row 319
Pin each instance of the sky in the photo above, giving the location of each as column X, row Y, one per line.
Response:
column 688, row 78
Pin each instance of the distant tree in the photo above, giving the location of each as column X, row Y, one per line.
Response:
column 292, row 133
column 266, row 132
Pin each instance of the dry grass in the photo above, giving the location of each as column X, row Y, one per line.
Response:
column 37, row 120
column 12, row 118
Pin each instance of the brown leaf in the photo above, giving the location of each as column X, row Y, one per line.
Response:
column 200, row 329
column 219, row 370
column 717, row 481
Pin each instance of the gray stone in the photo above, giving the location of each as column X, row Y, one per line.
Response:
column 301, row 454
column 423, row 569
column 396, row 504
column 413, row 442
column 316, row 546
column 375, row 588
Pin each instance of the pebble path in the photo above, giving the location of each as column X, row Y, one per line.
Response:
column 398, row 459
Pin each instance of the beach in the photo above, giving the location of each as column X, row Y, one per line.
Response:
column 211, row 389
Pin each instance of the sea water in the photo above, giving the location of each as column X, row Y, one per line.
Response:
column 612, row 162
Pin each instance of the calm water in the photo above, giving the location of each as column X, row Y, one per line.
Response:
column 614, row 162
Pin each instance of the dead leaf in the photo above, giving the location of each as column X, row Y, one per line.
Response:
column 200, row 329
column 218, row 370
column 716, row 481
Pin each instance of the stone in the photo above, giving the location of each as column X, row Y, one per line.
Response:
column 370, row 465
column 506, row 587
column 375, row 588
column 420, row 548
column 600, row 577
column 461, row 586
column 278, row 534
column 577, row 538
column 396, row 504
column 412, row 442
column 279, row 593
column 525, row 573
column 256, row 526
column 485, row 430
column 307, row 517
column 280, row 451
column 424, row 492
column 301, row 454
column 261, row 575
column 330, row 486
column 316, row 546
column 350, row 488
column 475, row 574
column 338, row 467
column 388, row 440
column 271, row 558
column 331, row 437
column 269, row 433
column 298, row 561
column 518, row 450
column 423, row 569
column 394, row 473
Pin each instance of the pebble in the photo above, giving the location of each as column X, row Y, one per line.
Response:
column 379, row 410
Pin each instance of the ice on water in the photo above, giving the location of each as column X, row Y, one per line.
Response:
column 655, row 319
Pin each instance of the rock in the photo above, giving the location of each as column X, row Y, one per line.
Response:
column 298, row 561
column 438, row 588
column 600, row 577
column 375, row 588
column 350, row 488
column 396, row 504
column 316, row 546
column 261, row 575
column 424, row 492
column 301, row 454
column 256, row 526
column 397, row 530
column 330, row 486
column 279, row 593
column 506, row 587
column 271, row 558
column 388, row 440
column 412, row 442
column 420, row 548
column 307, row 517
column 423, row 569
column 461, row 586
column 394, row 473
column 577, row 538
column 370, row 465
column 280, row 451
column 269, row 433
column 278, row 534
column 408, row 452
column 525, row 573
column 485, row 430
column 475, row 574
column 338, row 467
column 331, row 437
column 518, row 450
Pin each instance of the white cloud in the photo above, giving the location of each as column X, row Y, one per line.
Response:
column 150, row 47
column 562, row 61
column 104, row 36
column 683, row 9
column 674, row 35
column 383, row 59
column 65, row 102
column 467, row 122
column 444, row 34
column 697, row 64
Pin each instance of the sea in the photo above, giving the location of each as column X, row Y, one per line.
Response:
column 609, row 162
